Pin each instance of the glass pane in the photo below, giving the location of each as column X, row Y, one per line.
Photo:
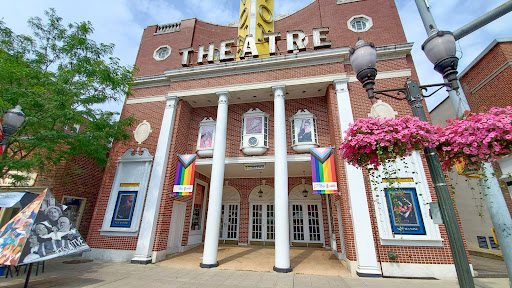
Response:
column 314, row 223
column 257, row 222
column 270, row 222
column 232, row 231
column 297, row 223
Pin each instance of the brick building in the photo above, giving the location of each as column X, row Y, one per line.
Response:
column 192, row 108
column 486, row 82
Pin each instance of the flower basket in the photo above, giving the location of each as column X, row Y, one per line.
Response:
column 476, row 138
column 370, row 142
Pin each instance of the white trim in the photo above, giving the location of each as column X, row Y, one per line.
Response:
column 417, row 172
column 369, row 23
column 251, row 160
column 491, row 76
column 155, row 54
column 266, row 85
column 347, row 1
column 125, row 173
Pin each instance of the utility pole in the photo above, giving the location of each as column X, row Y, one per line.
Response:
column 498, row 210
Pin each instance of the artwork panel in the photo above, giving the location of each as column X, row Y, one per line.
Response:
column 254, row 125
column 123, row 211
column 404, row 211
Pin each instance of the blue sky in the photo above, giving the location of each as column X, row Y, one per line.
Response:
column 122, row 21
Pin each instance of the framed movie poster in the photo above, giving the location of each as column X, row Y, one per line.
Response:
column 253, row 125
column 206, row 135
column 404, row 211
column 304, row 128
column 123, row 211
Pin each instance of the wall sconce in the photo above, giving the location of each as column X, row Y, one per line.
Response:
column 304, row 192
column 260, row 193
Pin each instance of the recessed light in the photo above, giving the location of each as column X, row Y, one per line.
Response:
column 319, row 90
column 303, row 91
column 254, row 96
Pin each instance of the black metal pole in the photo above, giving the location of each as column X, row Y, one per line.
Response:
column 28, row 275
column 460, row 257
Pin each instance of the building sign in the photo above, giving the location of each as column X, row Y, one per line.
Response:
column 404, row 211
column 296, row 40
column 256, row 19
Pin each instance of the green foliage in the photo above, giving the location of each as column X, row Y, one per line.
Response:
column 59, row 77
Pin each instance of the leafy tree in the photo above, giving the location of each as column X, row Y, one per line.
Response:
column 60, row 76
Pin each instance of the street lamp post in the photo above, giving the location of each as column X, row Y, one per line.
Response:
column 12, row 120
column 440, row 49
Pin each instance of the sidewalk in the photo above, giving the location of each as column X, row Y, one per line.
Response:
column 111, row 274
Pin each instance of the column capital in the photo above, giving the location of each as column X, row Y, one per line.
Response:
column 171, row 101
column 223, row 97
column 279, row 91
column 340, row 85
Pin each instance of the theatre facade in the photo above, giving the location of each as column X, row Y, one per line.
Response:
column 236, row 110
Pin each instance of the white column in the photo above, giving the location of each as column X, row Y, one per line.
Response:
column 144, row 250
column 367, row 264
column 211, row 241
column 282, row 224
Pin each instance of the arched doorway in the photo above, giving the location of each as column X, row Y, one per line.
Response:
column 306, row 220
column 261, row 227
column 230, row 215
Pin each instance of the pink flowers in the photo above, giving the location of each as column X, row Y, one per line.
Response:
column 370, row 142
column 476, row 138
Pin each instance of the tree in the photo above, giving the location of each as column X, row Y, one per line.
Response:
column 60, row 76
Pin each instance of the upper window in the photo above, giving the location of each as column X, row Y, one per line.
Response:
column 360, row 23
column 162, row 52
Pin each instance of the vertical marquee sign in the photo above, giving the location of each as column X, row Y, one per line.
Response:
column 256, row 18
column 184, row 181
column 323, row 170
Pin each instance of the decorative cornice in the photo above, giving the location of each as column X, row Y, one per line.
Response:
column 269, row 85
column 293, row 60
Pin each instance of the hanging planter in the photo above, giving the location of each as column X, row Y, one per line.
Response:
column 476, row 138
column 370, row 142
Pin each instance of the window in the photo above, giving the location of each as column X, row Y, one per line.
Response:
column 206, row 137
column 360, row 23
column 162, row 52
column 254, row 132
column 304, row 131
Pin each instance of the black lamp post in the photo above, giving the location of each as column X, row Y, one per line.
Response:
column 440, row 50
column 11, row 121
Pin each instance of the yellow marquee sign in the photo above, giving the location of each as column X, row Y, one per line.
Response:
column 256, row 19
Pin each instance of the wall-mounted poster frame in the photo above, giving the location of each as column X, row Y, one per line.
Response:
column 404, row 211
column 123, row 212
column 75, row 208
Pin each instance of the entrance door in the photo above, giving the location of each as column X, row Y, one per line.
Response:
column 306, row 224
column 229, row 222
column 176, row 228
column 262, row 222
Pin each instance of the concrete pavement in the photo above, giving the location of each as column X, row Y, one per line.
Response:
column 111, row 274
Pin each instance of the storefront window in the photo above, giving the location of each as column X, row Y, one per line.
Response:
column 198, row 208
column 75, row 208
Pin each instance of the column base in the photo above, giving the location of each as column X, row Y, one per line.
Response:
column 375, row 275
column 282, row 270
column 141, row 261
column 202, row 265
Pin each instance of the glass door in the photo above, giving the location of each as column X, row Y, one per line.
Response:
column 229, row 222
column 306, row 223
column 262, row 222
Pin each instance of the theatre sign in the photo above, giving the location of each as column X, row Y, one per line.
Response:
column 296, row 40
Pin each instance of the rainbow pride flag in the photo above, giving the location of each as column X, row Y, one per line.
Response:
column 184, row 181
column 323, row 170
